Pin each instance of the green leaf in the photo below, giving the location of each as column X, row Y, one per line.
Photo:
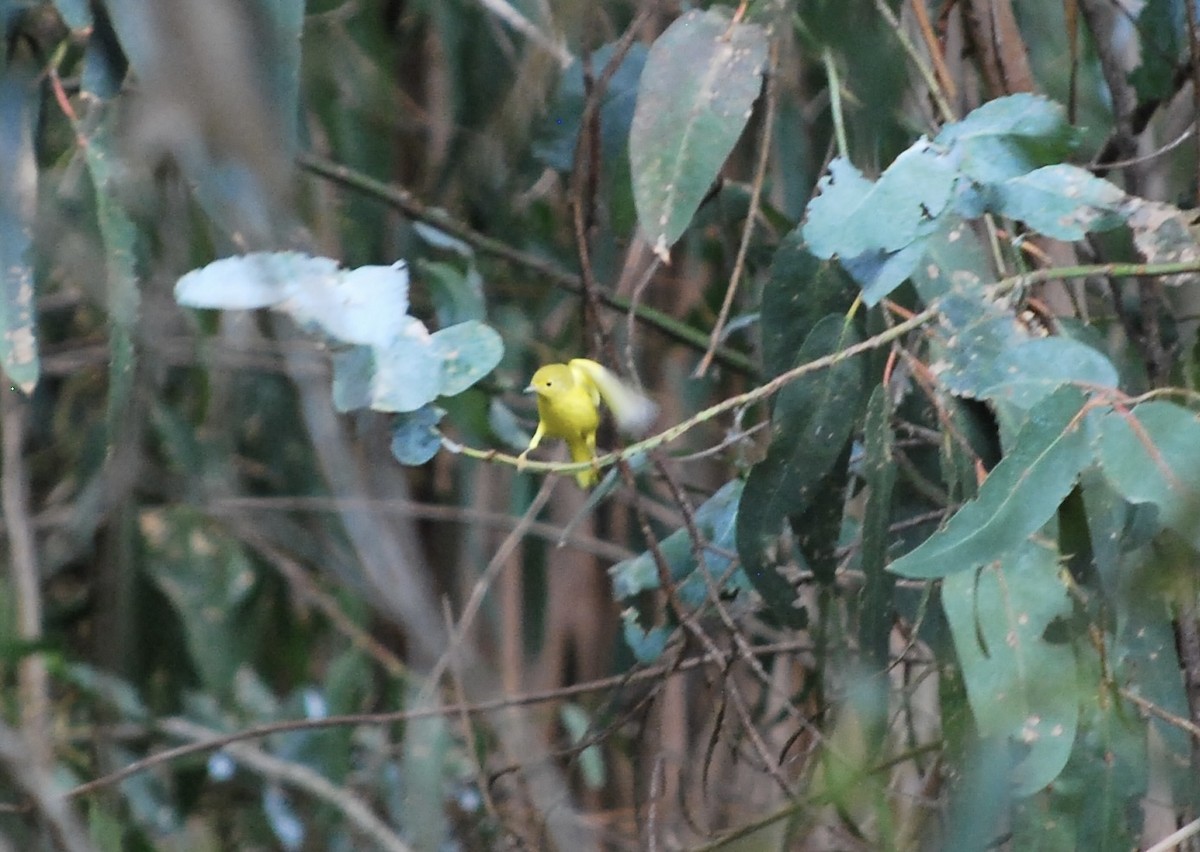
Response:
column 469, row 351
column 879, row 475
column 695, row 96
column 956, row 261
column 427, row 743
column 560, row 132
column 457, row 294
column 1061, row 201
column 19, row 100
column 810, row 428
column 1150, row 455
column 207, row 577
column 353, row 370
column 1160, row 24
column 647, row 645
column 1018, row 497
column 801, row 291
column 1008, row 137
column 715, row 522
column 853, row 215
column 119, row 235
column 590, row 758
column 76, row 14
column 407, row 372
column 283, row 24
column 1021, row 687
column 415, row 436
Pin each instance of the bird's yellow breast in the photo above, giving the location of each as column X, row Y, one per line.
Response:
column 568, row 413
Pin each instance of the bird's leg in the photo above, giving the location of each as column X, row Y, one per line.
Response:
column 538, row 434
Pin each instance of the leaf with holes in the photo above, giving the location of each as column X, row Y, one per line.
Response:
column 695, row 95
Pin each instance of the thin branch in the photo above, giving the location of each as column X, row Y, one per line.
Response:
column 220, row 741
column 407, row 203
column 353, row 808
column 484, row 582
column 884, row 338
column 506, row 12
column 14, row 497
column 760, row 175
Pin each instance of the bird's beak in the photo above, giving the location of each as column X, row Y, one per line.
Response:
column 530, row 389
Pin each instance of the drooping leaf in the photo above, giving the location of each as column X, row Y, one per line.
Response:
column 1160, row 24
column 1061, row 201
column 695, row 95
column 283, row 24
column 1021, row 687
column 76, row 14
column 1095, row 802
column 415, row 437
column 647, row 645
column 19, row 100
column 810, row 428
column 119, row 235
column 1150, row 455
column 457, row 293
column 1019, row 496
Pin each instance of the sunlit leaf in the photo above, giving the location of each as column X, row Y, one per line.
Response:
column 694, row 98
column 1019, row 495
column 1021, row 686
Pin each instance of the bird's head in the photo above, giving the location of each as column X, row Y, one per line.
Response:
column 550, row 380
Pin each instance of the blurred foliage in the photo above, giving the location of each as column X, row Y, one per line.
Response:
column 909, row 563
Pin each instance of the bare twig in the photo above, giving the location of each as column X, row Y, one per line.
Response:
column 760, row 174
column 353, row 808
column 14, row 496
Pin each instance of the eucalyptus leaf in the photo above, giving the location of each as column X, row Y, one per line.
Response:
column 1150, row 455
column 1061, row 201
column 853, row 215
column 695, row 96
column 468, row 351
column 19, row 108
column 810, row 428
column 1018, row 497
column 1021, row 687
column 415, row 437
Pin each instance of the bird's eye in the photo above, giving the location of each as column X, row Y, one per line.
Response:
column 549, row 384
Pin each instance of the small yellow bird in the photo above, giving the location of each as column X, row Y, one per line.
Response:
column 568, row 401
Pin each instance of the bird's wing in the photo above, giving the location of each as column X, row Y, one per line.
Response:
column 633, row 410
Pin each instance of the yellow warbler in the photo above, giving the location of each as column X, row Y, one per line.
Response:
column 568, row 401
